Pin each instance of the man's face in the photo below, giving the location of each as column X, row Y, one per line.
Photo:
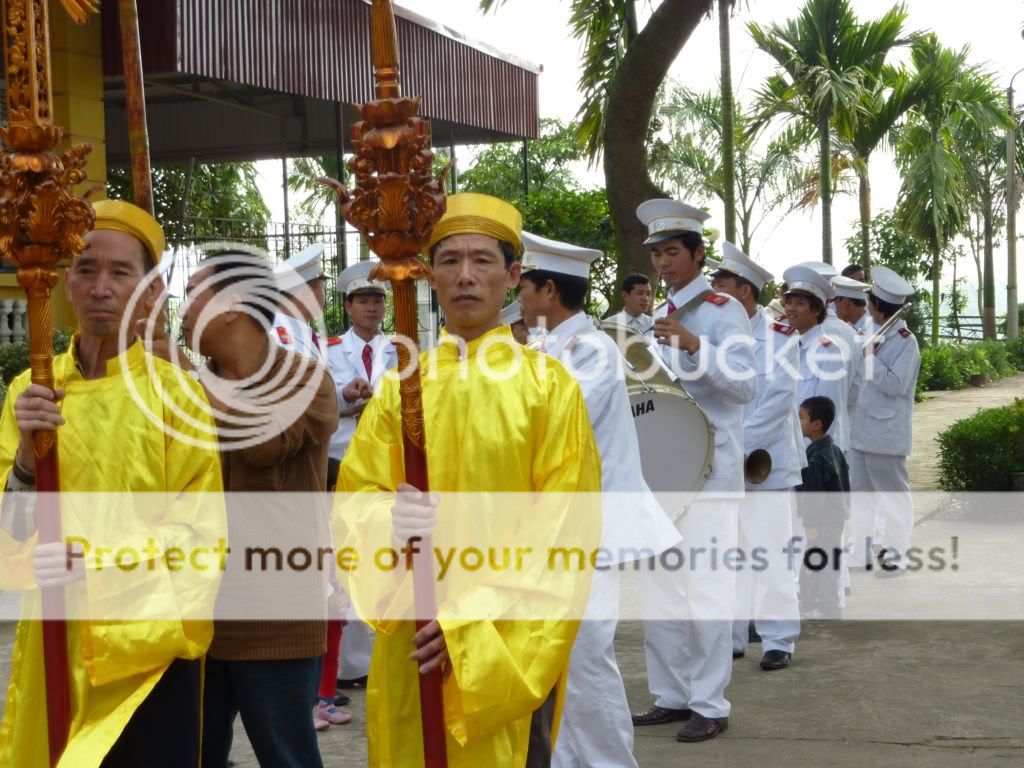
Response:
column 858, row 275
column 101, row 281
column 638, row 300
column 675, row 263
column 472, row 280
column 316, row 287
column 367, row 310
column 201, row 315
column 800, row 312
column 845, row 309
column 537, row 303
column 725, row 283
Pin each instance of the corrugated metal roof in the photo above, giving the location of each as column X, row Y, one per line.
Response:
column 320, row 49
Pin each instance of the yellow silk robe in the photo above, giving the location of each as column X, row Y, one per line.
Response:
column 109, row 445
column 527, row 433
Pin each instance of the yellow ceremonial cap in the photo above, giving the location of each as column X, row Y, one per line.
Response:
column 125, row 217
column 473, row 214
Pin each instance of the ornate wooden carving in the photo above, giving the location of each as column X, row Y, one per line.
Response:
column 41, row 223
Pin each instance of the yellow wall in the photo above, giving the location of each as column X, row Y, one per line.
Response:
column 76, row 63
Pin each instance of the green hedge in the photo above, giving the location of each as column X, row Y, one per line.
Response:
column 979, row 453
column 951, row 366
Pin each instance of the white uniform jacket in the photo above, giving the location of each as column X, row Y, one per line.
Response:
column 771, row 420
column 635, row 525
column 882, row 422
column 297, row 335
column 640, row 324
column 345, row 354
column 720, row 377
column 850, row 341
column 823, row 373
column 865, row 326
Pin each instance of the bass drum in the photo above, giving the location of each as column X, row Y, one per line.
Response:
column 677, row 441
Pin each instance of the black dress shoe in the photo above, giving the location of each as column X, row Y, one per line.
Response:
column 701, row 728
column 738, row 654
column 752, row 636
column 341, row 700
column 356, row 682
column 660, row 715
column 775, row 660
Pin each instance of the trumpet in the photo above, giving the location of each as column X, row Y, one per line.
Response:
column 879, row 336
column 757, row 466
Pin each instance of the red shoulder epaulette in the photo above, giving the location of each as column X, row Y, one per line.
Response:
column 905, row 333
column 825, row 341
column 283, row 335
column 333, row 341
column 783, row 329
column 718, row 299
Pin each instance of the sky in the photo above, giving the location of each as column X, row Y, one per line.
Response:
column 538, row 31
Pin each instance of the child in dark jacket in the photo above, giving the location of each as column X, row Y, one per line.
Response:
column 823, row 506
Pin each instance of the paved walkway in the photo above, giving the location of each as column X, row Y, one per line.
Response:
column 885, row 694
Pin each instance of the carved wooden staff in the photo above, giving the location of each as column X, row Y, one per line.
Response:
column 395, row 207
column 135, row 104
column 41, row 224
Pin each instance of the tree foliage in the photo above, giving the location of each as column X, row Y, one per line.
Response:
column 557, row 206
column 220, row 191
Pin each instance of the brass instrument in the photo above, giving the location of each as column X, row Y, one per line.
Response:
column 879, row 336
column 757, row 466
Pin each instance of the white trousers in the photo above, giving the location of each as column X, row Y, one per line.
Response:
column 689, row 659
column 356, row 649
column 883, row 507
column 596, row 729
column 768, row 595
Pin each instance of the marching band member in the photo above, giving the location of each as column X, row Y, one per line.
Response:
column 770, row 423
column 855, row 272
column 636, row 303
column 595, row 729
column 882, row 429
column 689, row 660
column 823, row 365
column 301, row 282
column 842, row 334
column 851, row 304
column 359, row 358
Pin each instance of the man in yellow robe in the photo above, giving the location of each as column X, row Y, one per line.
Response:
column 136, row 434
column 500, row 420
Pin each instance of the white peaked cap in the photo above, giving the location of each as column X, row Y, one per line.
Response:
column 357, row 278
column 889, row 286
column 849, row 288
column 300, row 268
column 803, row 279
column 827, row 270
column 553, row 256
column 666, row 219
column 511, row 314
column 736, row 262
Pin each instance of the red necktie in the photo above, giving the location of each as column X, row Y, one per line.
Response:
column 368, row 361
column 671, row 307
column 316, row 341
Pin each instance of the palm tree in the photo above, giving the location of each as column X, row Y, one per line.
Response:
column 983, row 149
column 623, row 68
column 825, row 56
column 933, row 201
column 883, row 103
column 728, row 114
column 693, row 159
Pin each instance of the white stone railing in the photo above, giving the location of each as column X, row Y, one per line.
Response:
column 13, row 321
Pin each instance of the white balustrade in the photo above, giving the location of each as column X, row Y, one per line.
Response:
column 6, row 308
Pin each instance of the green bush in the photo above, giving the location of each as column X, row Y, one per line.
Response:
column 951, row 366
column 979, row 453
column 14, row 358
